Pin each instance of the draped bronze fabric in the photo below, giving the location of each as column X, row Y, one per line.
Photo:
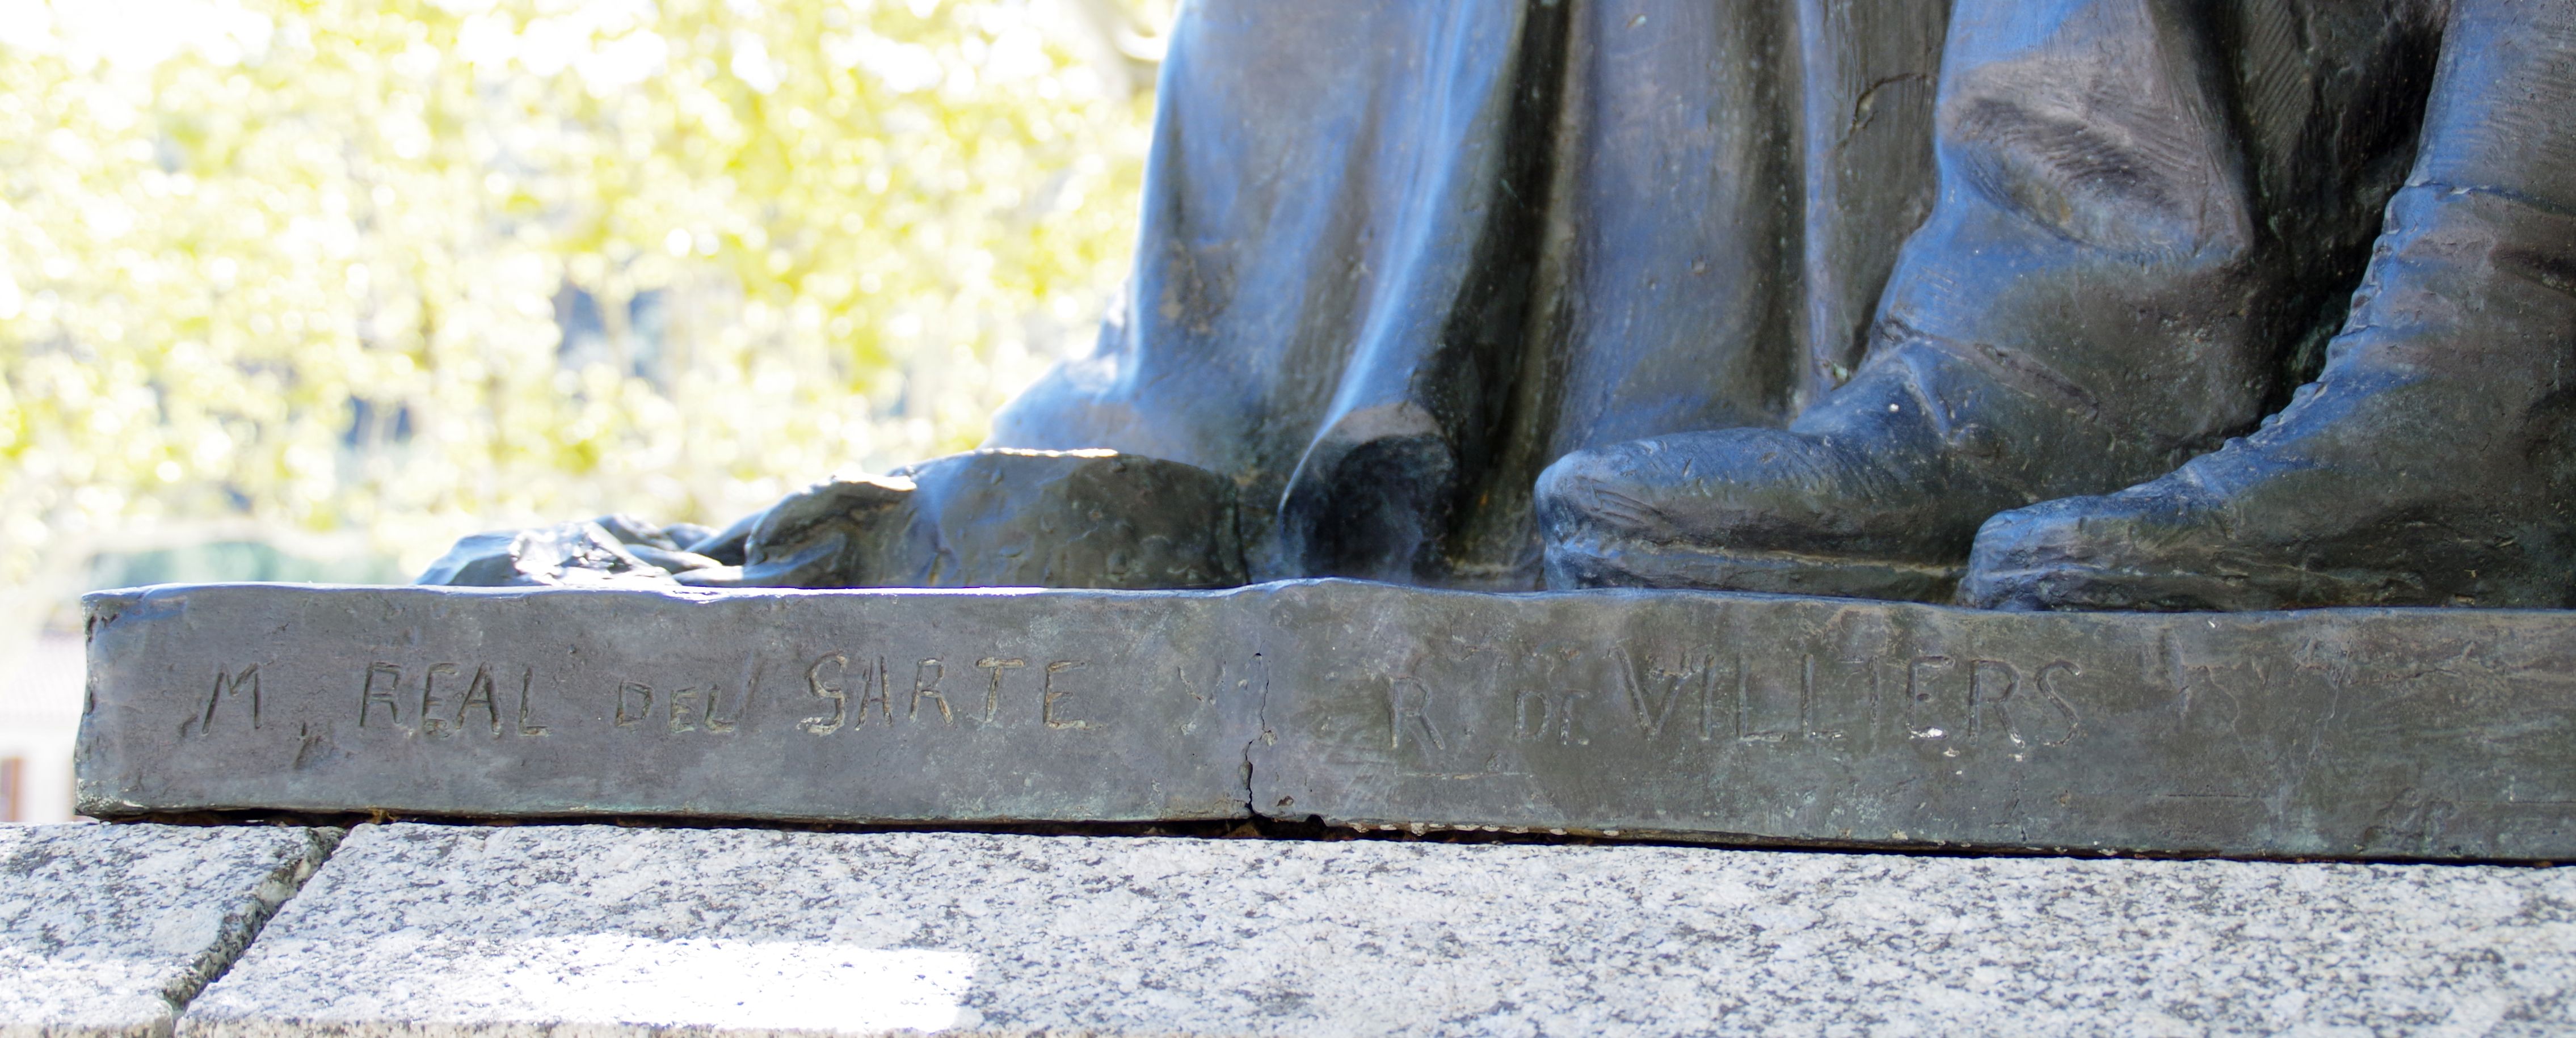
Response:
column 1397, row 257
column 1807, row 296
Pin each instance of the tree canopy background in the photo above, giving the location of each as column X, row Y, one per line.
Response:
column 386, row 273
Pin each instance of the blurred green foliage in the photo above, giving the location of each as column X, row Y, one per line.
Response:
column 412, row 269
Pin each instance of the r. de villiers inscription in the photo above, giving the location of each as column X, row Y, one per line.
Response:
column 2352, row 733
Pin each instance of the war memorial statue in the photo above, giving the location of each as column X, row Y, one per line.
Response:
column 2067, row 311
column 1847, row 300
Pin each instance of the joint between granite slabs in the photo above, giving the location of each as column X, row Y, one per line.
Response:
column 241, row 932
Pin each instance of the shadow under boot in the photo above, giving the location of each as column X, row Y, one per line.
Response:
column 1372, row 509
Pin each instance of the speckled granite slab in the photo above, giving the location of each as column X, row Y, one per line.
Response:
column 423, row 931
column 108, row 930
column 2447, row 734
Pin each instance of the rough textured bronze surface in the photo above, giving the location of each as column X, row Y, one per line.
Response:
column 847, row 705
column 2363, row 733
column 2344, row 733
column 986, row 518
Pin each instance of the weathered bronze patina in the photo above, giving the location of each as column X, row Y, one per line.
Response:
column 2078, row 305
column 1796, row 297
column 1694, row 715
column 2148, row 213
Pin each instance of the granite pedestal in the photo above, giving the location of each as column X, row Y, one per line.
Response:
column 432, row 930
column 111, row 930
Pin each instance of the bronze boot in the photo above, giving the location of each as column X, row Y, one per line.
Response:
column 2102, row 290
column 2431, row 464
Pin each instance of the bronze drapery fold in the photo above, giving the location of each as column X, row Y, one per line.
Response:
column 1396, row 258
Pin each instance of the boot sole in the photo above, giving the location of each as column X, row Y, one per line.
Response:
column 1768, row 572
column 2098, row 589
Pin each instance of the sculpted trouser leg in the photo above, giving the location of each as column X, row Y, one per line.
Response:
column 2431, row 462
column 2141, row 204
